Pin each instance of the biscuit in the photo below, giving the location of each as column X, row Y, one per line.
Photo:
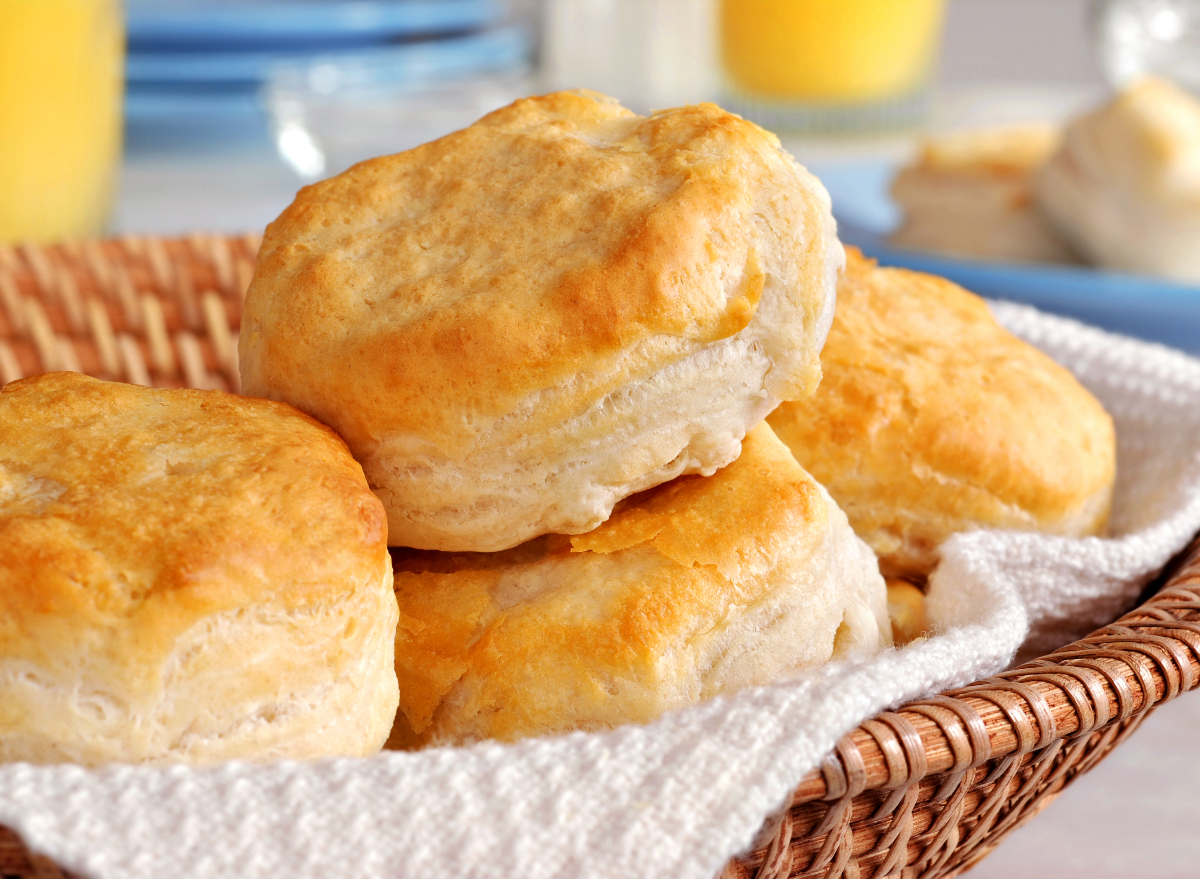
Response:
column 906, row 608
column 185, row 576
column 1124, row 189
column 933, row 419
column 518, row 325
column 969, row 193
column 698, row 587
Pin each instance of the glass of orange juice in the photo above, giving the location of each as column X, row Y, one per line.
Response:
column 60, row 116
column 830, row 64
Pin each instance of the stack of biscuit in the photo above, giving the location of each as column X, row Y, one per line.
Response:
column 565, row 352
column 552, row 339
column 521, row 330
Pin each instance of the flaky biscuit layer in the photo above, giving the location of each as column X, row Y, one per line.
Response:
column 701, row 586
column 479, row 315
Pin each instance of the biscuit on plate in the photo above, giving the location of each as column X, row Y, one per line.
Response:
column 1124, row 189
column 698, row 587
column 969, row 193
column 933, row 419
column 523, row 322
column 185, row 576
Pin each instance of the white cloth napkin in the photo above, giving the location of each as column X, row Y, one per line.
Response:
column 678, row 797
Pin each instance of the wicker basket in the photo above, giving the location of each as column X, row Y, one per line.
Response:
column 924, row 791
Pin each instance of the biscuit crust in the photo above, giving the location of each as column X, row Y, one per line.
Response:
column 475, row 316
column 933, row 419
column 698, row 587
column 185, row 576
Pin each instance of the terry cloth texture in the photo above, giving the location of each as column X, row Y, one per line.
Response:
column 678, row 797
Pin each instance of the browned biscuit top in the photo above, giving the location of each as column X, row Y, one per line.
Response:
column 427, row 293
column 128, row 515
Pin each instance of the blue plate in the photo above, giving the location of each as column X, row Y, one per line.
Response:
column 146, row 105
column 279, row 24
column 453, row 56
column 1150, row 308
column 158, row 120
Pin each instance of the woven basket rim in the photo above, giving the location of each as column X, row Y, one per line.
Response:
column 1025, row 708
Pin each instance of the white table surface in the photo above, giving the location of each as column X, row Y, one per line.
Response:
column 1137, row 814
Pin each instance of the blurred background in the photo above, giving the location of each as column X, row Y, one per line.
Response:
column 226, row 106
column 229, row 105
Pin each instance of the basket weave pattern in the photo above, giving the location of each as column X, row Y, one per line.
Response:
column 930, row 789
column 925, row 791
column 149, row 311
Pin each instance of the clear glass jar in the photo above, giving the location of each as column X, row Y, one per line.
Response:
column 649, row 54
column 327, row 113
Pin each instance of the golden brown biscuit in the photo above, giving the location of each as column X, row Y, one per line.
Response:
column 933, row 419
column 969, row 193
column 521, row 323
column 906, row 608
column 701, row 586
column 185, row 576
column 1124, row 188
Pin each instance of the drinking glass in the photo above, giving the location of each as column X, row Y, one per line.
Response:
column 830, row 65
column 60, row 116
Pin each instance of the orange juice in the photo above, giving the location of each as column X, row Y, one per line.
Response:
column 844, row 51
column 60, row 116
